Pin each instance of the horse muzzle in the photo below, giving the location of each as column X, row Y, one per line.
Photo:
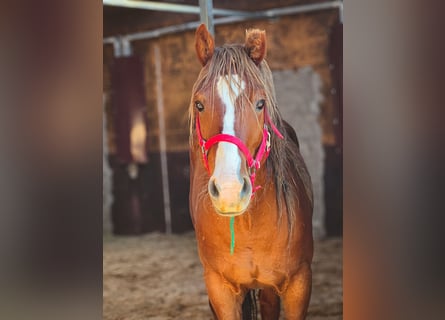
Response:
column 230, row 195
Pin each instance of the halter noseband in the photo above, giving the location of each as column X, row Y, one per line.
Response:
column 253, row 163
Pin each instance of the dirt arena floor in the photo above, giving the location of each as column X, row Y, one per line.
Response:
column 159, row 277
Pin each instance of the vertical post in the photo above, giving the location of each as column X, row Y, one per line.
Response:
column 340, row 12
column 162, row 140
column 117, row 45
column 107, row 180
column 122, row 47
column 206, row 15
column 126, row 47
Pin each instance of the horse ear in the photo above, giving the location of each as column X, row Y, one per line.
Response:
column 204, row 44
column 256, row 45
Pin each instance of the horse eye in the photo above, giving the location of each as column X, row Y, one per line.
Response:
column 199, row 106
column 260, row 104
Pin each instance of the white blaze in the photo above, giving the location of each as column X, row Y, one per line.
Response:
column 228, row 161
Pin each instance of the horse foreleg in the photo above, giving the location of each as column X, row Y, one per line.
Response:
column 297, row 295
column 225, row 299
column 269, row 304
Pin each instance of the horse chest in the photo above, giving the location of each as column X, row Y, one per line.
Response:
column 253, row 270
column 249, row 266
column 261, row 256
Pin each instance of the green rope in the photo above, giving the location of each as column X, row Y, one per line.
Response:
column 232, row 234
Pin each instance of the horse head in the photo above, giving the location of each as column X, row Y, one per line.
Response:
column 229, row 103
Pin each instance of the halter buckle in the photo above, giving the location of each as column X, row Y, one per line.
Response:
column 252, row 169
column 202, row 143
column 268, row 141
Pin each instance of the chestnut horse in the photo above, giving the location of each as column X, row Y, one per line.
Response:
column 250, row 192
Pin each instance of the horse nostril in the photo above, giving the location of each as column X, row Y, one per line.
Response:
column 246, row 187
column 213, row 189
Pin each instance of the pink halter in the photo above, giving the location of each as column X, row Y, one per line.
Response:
column 252, row 163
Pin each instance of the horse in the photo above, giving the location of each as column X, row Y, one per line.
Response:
column 251, row 195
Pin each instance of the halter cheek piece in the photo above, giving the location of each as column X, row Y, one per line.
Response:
column 252, row 163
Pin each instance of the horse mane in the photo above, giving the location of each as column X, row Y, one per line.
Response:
column 285, row 157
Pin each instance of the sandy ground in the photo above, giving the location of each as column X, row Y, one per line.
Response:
column 159, row 277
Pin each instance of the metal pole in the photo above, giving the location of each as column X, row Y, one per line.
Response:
column 162, row 140
column 122, row 46
column 206, row 14
column 126, row 47
column 341, row 12
column 226, row 20
column 171, row 7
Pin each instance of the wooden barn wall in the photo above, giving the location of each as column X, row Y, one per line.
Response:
column 293, row 42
